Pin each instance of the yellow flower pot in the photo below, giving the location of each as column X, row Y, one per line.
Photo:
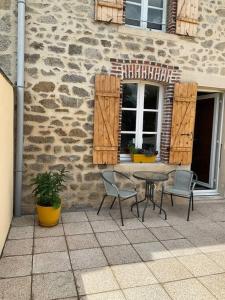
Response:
column 142, row 158
column 48, row 216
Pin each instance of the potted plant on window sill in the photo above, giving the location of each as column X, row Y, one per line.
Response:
column 139, row 155
column 47, row 187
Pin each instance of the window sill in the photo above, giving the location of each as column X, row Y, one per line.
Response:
column 130, row 167
column 126, row 29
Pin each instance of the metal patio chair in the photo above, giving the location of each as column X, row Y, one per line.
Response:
column 111, row 189
column 183, row 185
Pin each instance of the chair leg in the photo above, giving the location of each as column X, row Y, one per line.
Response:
column 171, row 197
column 162, row 194
column 137, row 206
column 121, row 213
column 189, row 207
column 111, row 206
column 101, row 204
column 192, row 201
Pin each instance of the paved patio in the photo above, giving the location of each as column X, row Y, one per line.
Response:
column 92, row 257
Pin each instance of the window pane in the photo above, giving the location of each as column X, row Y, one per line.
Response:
column 154, row 19
column 134, row 1
column 155, row 3
column 133, row 14
column 151, row 97
column 150, row 121
column 126, row 140
column 128, row 120
column 130, row 95
column 149, row 141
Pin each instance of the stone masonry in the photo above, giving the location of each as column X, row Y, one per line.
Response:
column 65, row 49
column 8, row 30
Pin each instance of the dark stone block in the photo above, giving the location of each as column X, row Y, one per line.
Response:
column 44, row 86
column 74, row 49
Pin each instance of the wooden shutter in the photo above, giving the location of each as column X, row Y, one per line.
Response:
column 109, row 11
column 182, row 132
column 187, row 17
column 106, row 119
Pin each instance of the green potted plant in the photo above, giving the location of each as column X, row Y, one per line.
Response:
column 47, row 187
column 143, row 155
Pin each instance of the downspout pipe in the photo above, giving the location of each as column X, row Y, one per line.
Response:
column 21, row 5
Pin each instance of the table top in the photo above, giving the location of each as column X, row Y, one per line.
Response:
column 151, row 176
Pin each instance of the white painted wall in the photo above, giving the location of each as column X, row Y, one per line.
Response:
column 6, row 157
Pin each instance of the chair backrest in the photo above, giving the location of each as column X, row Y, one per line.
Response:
column 183, row 180
column 108, row 177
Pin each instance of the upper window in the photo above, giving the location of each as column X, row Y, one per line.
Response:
column 146, row 13
column 141, row 117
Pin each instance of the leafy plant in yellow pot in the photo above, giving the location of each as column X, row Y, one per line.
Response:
column 47, row 187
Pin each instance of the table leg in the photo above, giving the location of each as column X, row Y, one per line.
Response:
column 150, row 197
column 147, row 196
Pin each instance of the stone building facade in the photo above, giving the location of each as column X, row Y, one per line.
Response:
column 8, row 38
column 65, row 49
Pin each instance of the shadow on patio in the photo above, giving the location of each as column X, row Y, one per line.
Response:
column 92, row 257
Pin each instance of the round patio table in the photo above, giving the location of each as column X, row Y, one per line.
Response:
column 150, row 179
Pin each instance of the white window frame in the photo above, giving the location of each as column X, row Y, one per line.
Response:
column 144, row 14
column 139, row 117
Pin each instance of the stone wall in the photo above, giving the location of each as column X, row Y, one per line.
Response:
column 65, row 48
column 8, row 29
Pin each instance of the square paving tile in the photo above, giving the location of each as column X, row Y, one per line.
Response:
column 131, row 275
column 78, row 241
column 152, row 251
column 50, row 244
column 154, row 221
column 166, row 233
column 115, row 295
column 53, row 286
column 27, row 220
column 122, row 254
column 174, row 219
column 218, row 257
column 70, row 217
column 51, row 262
column 46, row 232
column 139, row 236
column 133, row 223
column 207, row 244
column 103, row 226
column 93, row 281
column 215, row 284
column 188, row 289
column 18, row 247
column 200, row 265
column 102, row 216
column 189, row 230
column 168, row 269
column 25, row 232
column 127, row 213
column 15, row 266
column 77, row 228
column 15, row 288
column 180, row 247
column 88, row 258
column 153, row 292
column 112, row 238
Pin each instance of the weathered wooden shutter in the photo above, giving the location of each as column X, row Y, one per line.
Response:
column 109, row 11
column 187, row 17
column 106, row 119
column 183, row 121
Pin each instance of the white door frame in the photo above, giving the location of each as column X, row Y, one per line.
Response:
column 216, row 142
